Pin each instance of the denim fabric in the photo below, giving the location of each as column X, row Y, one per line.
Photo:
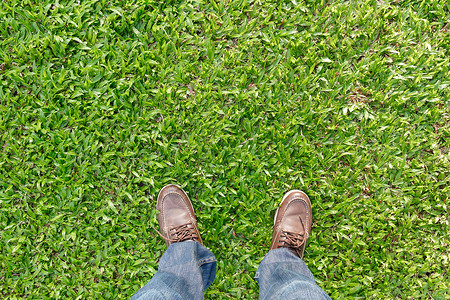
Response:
column 185, row 271
column 283, row 275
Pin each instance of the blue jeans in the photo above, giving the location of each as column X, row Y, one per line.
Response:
column 187, row 269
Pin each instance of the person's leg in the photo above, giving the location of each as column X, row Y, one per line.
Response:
column 185, row 271
column 187, row 268
column 282, row 274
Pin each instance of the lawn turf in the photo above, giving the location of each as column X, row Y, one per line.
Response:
column 102, row 103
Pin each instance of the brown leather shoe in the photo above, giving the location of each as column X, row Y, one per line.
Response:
column 176, row 217
column 292, row 223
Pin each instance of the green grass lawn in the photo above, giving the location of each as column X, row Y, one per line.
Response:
column 103, row 102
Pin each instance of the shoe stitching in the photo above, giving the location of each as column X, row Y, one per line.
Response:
column 295, row 200
column 181, row 200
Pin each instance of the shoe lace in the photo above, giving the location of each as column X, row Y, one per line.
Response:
column 293, row 240
column 182, row 233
